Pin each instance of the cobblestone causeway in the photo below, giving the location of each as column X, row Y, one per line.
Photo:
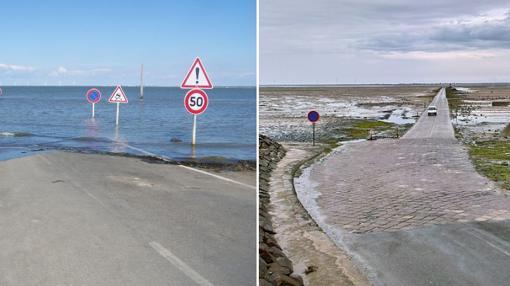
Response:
column 424, row 178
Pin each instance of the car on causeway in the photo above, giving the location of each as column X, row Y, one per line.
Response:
column 432, row 111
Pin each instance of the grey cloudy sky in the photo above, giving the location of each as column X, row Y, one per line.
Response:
column 384, row 41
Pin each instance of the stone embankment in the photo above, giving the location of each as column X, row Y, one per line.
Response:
column 274, row 266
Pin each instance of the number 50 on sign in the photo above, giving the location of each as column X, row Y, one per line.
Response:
column 196, row 101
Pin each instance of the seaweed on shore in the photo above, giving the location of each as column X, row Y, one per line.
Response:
column 212, row 163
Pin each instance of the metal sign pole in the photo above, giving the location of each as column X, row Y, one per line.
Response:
column 194, row 129
column 141, row 83
column 117, row 117
column 313, row 135
column 313, row 116
column 93, row 110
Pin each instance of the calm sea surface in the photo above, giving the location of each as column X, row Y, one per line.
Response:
column 35, row 119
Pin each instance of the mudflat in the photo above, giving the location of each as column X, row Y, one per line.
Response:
column 85, row 219
column 283, row 109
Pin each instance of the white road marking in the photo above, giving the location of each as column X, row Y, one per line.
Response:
column 186, row 167
column 218, row 177
column 95, row 198
column 488, row 242
column 183, row 267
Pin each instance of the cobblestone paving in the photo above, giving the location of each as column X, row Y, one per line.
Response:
column 424, row 178
column 300, row 238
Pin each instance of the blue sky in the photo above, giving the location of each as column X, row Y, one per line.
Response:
column 104, row 42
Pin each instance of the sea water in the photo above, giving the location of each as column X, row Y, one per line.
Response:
column 35, row 119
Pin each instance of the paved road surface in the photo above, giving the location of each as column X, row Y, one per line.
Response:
column 75, row 219
column 434, row 126
column 413, row 211
column 304, row 243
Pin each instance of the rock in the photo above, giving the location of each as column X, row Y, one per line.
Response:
column 263, row 163
column 270, row 241
column 265, row 222
column 298, row 278
column 274, row 278
column 265, row 254
column 279, row 279
column 289, row 281
column 274, row 267
column 265, row 225
column 263, row 267
column 276, row 251
column 284, row 262
column 310, row 269
column 263, row 282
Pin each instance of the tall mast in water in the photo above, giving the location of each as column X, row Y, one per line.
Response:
column 141, row 83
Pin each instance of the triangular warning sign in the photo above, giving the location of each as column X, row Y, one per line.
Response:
column 197, row 77
column 118, row 96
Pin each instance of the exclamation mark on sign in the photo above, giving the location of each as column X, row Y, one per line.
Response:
column 197, row 71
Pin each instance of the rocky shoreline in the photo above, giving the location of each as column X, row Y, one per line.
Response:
column 274, row 266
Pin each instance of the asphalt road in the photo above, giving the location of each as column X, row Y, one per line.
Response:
column 433, row 126
column 413, row 211
column 76, row 219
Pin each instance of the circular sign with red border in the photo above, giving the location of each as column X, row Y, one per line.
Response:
column 313, row 116
column 196, row 101
column 93, row 95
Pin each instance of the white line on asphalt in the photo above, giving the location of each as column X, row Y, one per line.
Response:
column 490, row 243
column 218, row 177
column 186, row 167
column 95, row 198
column 192, row 274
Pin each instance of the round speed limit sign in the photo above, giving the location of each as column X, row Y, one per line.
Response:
column 196, row 101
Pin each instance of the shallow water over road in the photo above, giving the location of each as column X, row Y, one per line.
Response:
column 59, row 118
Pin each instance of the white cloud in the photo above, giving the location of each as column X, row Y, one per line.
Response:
column 100, row 70
column 59, row 71
column 448, row 55
column 63, row 71
column 16, row 68
column 491, row 16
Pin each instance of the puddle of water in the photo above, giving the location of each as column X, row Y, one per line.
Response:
column 484, row 121
column 402, row 116
column 465, row 89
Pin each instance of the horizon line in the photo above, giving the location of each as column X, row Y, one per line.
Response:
column 86, row 85
column 401, row 83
